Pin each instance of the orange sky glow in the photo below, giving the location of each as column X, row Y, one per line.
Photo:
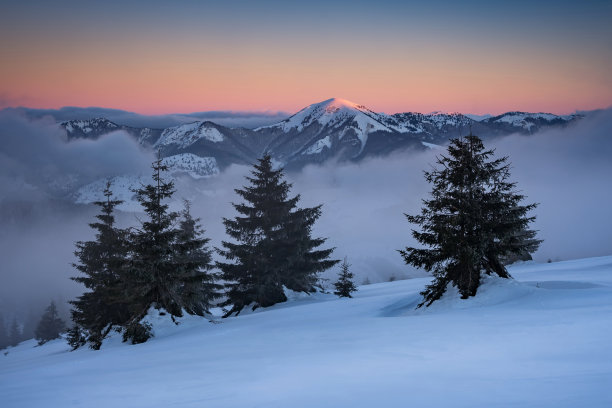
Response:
column 388, row 68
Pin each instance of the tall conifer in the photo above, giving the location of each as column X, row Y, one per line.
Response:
column 102, row 264
column 193, row 263
column 472, row 221
column 273, row 247
column 3, row 333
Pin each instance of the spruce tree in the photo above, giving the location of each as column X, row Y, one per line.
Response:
column 345, row 285
column 14, row 333
column 50, row 326
column 153, row 279
column 193, row 263
column 169, row 264
column 102, row 264
column 76, row 337
column 472, row 221
column 3, row 333
column 273, row 247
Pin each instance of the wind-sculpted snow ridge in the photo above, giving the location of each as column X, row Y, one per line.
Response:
column 541, row 340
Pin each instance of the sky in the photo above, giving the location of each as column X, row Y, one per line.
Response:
column 160, row 57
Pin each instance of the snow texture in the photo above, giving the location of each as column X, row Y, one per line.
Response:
column 89, row 125
column 335, row 113
column 319, row 145
column 196, row 166
column 527, row 120
column 188, row 134
column 123, row 186
column 542, row 340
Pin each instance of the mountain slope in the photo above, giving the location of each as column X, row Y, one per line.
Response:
column 96, row 127
column 334, row 128
column 539, row 341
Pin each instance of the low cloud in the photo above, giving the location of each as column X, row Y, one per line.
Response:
column 566, row 170
column 225, row 118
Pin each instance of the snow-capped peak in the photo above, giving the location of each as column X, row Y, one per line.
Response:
column 335, row 114
column 330, row 112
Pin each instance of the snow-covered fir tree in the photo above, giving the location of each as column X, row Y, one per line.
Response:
column 273, row 246
column 50, row 326
column 472, row 221
column 345, row 285
column 102, row 264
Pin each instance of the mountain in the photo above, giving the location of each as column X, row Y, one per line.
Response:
column 124, row 185
column 208, row 139
column 332, row 128
column 529, row 122
column 335, row 128
column 96, row 127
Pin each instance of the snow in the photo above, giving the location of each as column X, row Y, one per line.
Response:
column 542, row 340
column 318, row 146
column 187, row 134
column 196, row 166
column 432, row 146
column 123, row 186
column 334, row 113
column 526, row 120
column 87, row 126
column 145, row 133
column 478, row 118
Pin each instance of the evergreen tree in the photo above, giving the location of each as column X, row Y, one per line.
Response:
column 14, row 333
column 193, row 263
column 50, row 326
column 77, row 337
column 102, row 264
column 274, row 246
column 471, row 223
column 152, row 279
column 168, row 265
column 344, row 285
column 3, row 333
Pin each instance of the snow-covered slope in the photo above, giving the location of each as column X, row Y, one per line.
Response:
column 334, row 128
column 333, row 115
column 195, row 166
column 188, row 134
column 89, row 126
column 529, row 121
column 123, row 186
column 96, row 127
column 542, row 340
column 332, row 112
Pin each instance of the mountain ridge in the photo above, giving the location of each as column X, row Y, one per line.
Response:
column 333, row 128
